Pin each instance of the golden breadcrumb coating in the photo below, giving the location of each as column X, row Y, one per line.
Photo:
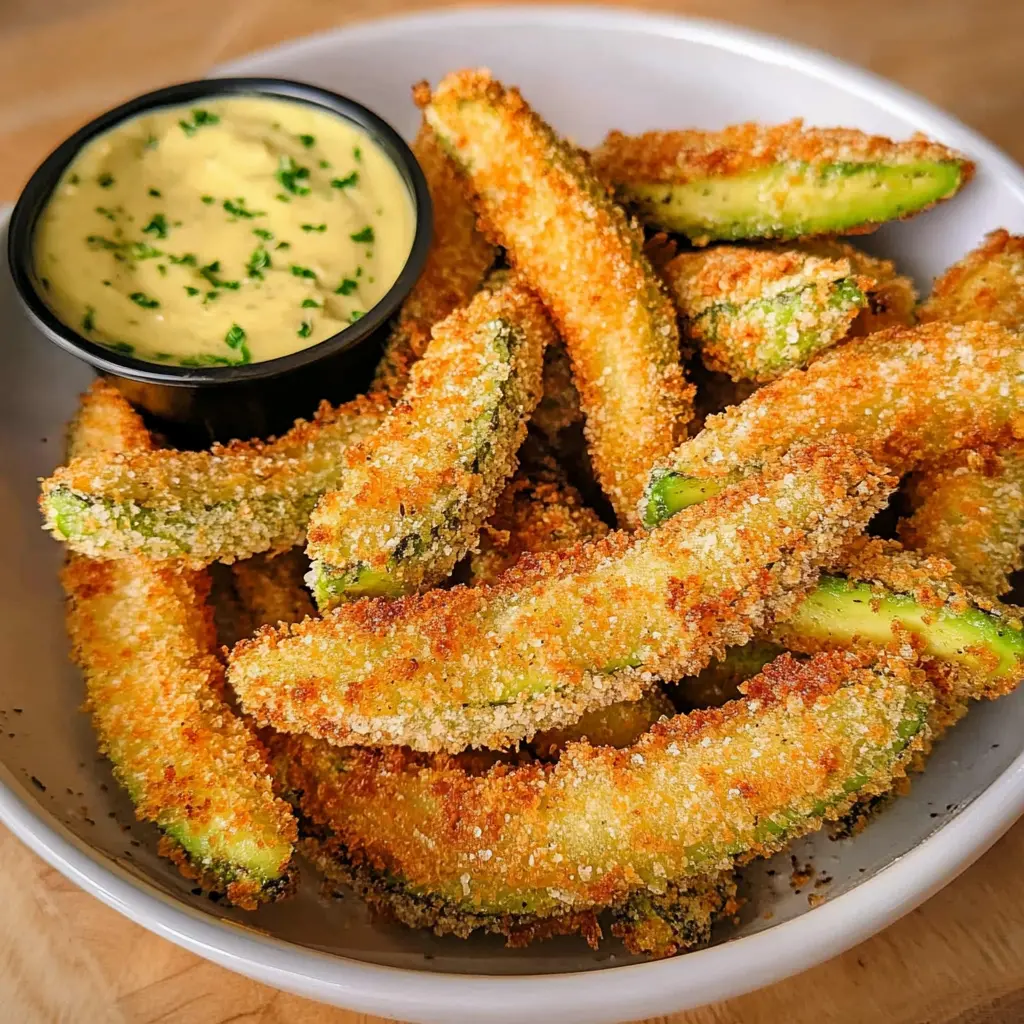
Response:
column 565, row 632
column 601, row 825
column 987, row 284
column 693, row 154
column 752, row 181
column 458, row 258
column 538, row 511
column 415, row 493
column 271, row 589
column 892, row 299
column 970, row 508
column 559, row 405
column 905, row 395
column 230, row 502
column 755, row 313
column 144, row 638
column 535, row 195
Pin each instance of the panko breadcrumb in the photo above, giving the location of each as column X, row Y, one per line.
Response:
column 415, row 493
column 564, row 632
column 538, row 198
column 144, row 638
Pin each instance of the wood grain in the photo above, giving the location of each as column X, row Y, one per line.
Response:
column 66, row 957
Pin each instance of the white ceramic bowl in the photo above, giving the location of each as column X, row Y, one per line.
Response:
column 588, row 71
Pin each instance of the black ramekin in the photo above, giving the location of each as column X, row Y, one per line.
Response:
column 200, row 404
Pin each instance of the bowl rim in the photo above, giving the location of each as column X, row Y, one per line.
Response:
column 44, row 180
column 613, row 993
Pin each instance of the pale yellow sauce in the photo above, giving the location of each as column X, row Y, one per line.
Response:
column 229, row 231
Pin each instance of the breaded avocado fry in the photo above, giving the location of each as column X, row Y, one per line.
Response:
column 583, row 257
column 517, row 847
column 970, row 509
column 144, row 639
column 415, row 493
column 755, row 313
column 568, row 631
column 905, row 395
column 752, row 181
column 457, row 261
column 230, row 502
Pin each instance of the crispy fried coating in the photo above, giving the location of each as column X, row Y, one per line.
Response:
column 603, row 825
column 559, row 406
column 751, row 181
column 537, row 196
column 229, row 502
column 271, row 589
column 755, row 313
column 562, row 633
column 987, row 284
column 970, row 508
column 721, row 680
column 458, row 258
column 538, row 511
column 143, row 636
column 905, row 395
column 892, row 299
column 415, row 493
column 972, row 645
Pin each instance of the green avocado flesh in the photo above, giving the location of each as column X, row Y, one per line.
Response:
column 876, row 737
column 839, row 612
column 670, row 492
column 792, row 200
column 792, row 325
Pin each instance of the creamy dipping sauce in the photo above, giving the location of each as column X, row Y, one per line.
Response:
column 229, row 231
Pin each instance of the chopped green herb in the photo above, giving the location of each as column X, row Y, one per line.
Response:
column 263, row 233
column 143, row 300
column 324, row 164
column 210, row 296
column 200, row 117
column 209, row 200
column 347, row 287
column 121, row 346
column 290, row 176
column 347, row 182
column 357, row 153
column 359, row 271
column 211, row 273
column 310, row 304
column 314, row 227
column 307, row 140
column 104, row 212
column 73, row 179
column 283, row 245
column 99, row 242
column 46, row 284
column 302, row 271
column 188, row 260
column 366, row 235
column 89, row 320
column 105, row 180
column 258, row 262
column 305, row 330
column 151, row 142
column 155, row 193
column 282, row 197
column 157, row 226
column 162, row 269
column 237, row 209
column 189, row 290
column 144, row 251
column 355, row 315
column 235, row 336
column 162, row 357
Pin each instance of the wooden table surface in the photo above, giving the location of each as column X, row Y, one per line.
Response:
column 63, row 955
